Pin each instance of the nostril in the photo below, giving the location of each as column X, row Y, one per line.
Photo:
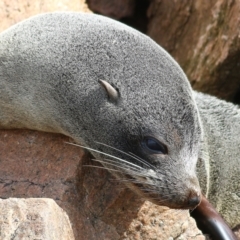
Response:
column 194, row 200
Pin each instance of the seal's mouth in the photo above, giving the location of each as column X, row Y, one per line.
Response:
column 188, row 202
column 144, row 180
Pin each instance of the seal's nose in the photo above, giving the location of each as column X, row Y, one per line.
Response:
column 194, row 200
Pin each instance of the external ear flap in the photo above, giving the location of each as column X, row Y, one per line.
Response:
column 113, row 93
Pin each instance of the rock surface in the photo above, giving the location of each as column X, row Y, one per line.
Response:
column 42, row 165
column 13, row 11
column 203, row 36
column 116, row 9
column 130, row 12
column 33, row 218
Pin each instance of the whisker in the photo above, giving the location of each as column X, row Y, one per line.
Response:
column 141, row 160
column 114, row 163
column 150, row 190
column 133, row 173
column 127, row 154
column 91, row 149
column 137, row 182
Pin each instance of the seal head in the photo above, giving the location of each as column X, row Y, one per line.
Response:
column 110, row 88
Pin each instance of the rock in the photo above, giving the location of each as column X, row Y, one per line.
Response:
column 130, row 12
column 33, row 218
column 42, row 165
column 116, row 9
column 13, row 11
column 203, row 36
column 156, row 222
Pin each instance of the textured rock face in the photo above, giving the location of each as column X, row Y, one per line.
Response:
column 35, row 165
column 33, row 219
column 42, row 165
column 116, row 9
column 154, row 222
column 13, row 11
column 203, row 36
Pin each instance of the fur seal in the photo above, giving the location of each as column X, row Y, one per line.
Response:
column 120, row 94
column 110, row 88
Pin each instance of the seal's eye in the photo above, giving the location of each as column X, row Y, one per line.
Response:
column 154, row 145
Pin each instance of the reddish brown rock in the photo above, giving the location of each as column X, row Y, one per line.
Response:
column 203, row 36
column 13, row 11
column 33, row 218
column 116, row 9
column 42, row 165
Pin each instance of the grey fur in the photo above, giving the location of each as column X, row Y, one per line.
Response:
column 50, row 68
column 220, row 155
